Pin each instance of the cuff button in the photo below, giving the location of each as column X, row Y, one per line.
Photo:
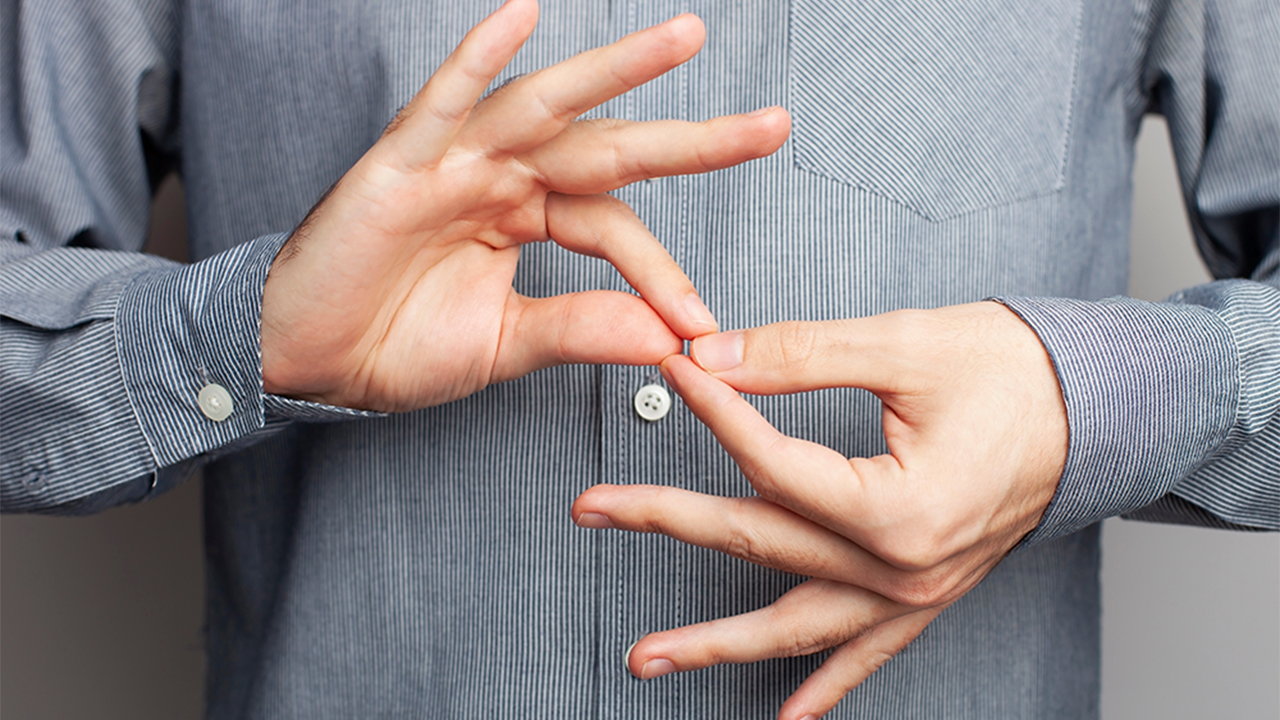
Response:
column 215, row 402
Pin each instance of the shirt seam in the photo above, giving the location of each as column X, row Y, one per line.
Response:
column 133, row 406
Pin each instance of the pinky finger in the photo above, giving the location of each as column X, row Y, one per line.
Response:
column 852, row 663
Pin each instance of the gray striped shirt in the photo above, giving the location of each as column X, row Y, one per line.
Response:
column 424, row 564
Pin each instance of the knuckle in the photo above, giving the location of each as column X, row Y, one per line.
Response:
column 826, row 638
column 652, row 525
column 743, row 541
column 793, row 345
column 563, row 341
column 874, row 659
column 921, row 590
column 603, row 124
column 702, row 161
column 916, row 554
column 907, row 332
column 923, row 540
column 621, row 163
column 741, row 546
column 714, row 654
column 810, row 642
column 807, row 639
column 647, row 509
column 806, row 621
column 483, row 74
column 447, row 115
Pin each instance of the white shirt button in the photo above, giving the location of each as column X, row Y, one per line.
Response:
column 653, row 402
column 215, row 402
column 34, row 479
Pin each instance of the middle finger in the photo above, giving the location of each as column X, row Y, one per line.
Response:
column 533, row 109
column 594, row 156
column 751, row 529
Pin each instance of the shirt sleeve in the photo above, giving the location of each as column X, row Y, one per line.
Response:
column 104, row 350
column 1172, row 406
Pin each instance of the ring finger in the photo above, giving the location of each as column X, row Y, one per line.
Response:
column 813, row 616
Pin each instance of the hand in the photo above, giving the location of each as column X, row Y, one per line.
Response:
column 396, row 294
column 977, row 436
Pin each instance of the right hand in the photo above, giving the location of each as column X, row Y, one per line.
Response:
column 395, row 293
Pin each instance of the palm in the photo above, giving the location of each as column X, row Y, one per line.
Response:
column 450, row 274
column 396, row 293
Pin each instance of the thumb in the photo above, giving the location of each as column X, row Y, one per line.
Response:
column 596, row 327
column 790, row 357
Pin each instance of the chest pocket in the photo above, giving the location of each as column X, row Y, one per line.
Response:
column 946, row 107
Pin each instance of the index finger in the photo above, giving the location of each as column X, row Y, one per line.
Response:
column 536, row 107
column 809, row 479
column 425, row 128
column 605, row 227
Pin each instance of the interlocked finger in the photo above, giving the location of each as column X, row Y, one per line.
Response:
column 852, row 663
column 814, row 481
column 750, row 529
column 814, row 616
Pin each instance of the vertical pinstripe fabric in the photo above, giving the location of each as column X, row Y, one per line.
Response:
column 424, row 564
column 847, row 99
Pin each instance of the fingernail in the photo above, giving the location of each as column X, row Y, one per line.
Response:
column 666, row 375
column 656, row 668
column 698, row 312
column 809, row 717
column 595, row 521
column 719, row 352
column 762, row 111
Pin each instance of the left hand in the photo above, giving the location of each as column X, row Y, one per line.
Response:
column 977, row 436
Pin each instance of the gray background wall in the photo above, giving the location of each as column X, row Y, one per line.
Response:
column 100, row 617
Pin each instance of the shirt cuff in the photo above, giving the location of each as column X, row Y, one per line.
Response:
column 307, row 411
column 1151, row 391
column 185, row 330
